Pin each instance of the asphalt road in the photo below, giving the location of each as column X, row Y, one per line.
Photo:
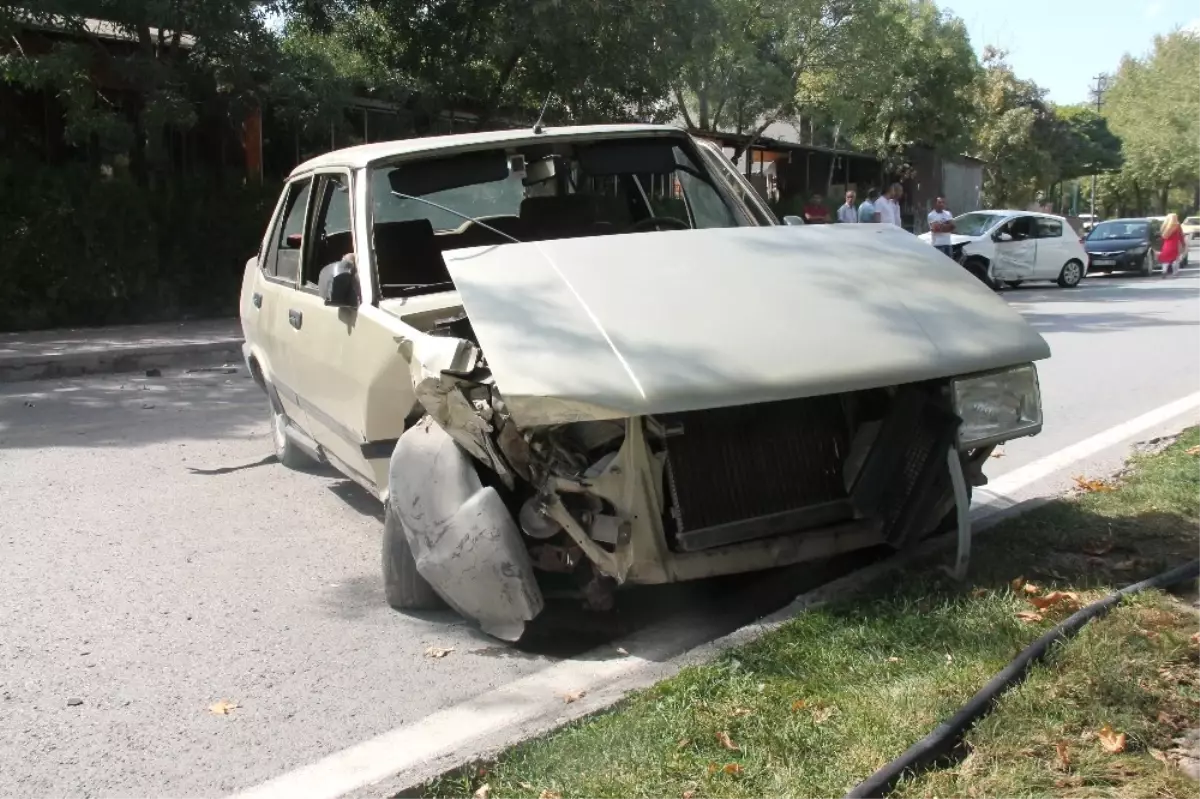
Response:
column 157, row 561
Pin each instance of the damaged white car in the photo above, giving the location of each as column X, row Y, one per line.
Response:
column 568, row 360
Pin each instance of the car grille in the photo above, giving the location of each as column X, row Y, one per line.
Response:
column 763, row 462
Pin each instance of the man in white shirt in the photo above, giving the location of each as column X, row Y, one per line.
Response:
column 941, row 225
column 888, row 205
column 866, row 211
column 848, row 213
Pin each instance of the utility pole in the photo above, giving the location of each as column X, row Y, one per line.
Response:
column 1097, row 93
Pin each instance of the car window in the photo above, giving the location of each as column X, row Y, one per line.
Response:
column 332, row 236
column 1020, row 228
column 975, row 224
column 288, row 243
column 737, row 183
column 1119, row 230
column 1049, row 228
column 1192, row 220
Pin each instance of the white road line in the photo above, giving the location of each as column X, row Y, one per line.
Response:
column 540, row 695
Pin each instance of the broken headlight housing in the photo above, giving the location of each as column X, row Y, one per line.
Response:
column 997, row 406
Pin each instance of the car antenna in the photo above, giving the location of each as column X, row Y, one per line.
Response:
column 537, row 126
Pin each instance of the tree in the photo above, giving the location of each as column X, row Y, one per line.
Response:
column 1154, row 107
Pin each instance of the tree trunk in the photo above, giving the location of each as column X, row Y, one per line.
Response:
column 1163, row 199
column 837, row 130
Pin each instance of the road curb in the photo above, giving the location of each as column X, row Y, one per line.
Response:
column 43, row 366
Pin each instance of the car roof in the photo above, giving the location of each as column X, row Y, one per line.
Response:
column 1010, row 212
column 364, row 155
column 1133, row 219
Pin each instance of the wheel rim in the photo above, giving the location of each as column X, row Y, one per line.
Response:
column 278, row 427
column 1149, row 261
column 1071, row 273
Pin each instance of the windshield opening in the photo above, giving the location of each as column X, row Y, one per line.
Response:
column 535, row 192
column 1119, row 230
column 976, row 224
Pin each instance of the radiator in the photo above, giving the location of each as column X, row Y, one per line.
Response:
column 736, row 474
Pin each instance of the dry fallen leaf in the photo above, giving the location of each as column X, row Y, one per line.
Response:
column 893, row 659
column 799, row 705
column 1064, row 758
column 622, row 650
column 1074, row 781
column 732, row 768
column 979, row 592
column 484, row 791
column 574, row 696
column 223, row 708
column 1092, row 485
column 997, row 454
column 1098, row 548
column 724, row 740
column 1031, row 588
column 1195, row 639
column 1029, row 616
column 1017, row 583
column 712, row 768
column 524, row 786
column 823, row 714
column 1193, row 451
column 1112, row 741
column 1160, row 756
column 1067, row 599
column 549, row 794
column 741, row 711
column 688, row 794
column 684, row 743
column 438, row 652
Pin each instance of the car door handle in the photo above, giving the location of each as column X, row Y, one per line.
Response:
column 295, row 318
column 257, row 300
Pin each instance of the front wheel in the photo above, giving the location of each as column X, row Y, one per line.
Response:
column 403, row 585
column 1071, row 274
column 286, row 451
column 979, row 269
column 1147, row 263
column 1012, row 284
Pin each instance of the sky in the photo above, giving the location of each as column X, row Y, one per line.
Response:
column 1063, row 44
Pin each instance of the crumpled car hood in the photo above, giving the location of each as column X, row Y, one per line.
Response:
column 625, row 325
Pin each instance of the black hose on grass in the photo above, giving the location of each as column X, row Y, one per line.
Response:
column 947, row 735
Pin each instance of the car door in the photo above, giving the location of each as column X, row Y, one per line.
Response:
column 1052, row 250
column 1016, row 249
column 273, row 291
column 326, row 341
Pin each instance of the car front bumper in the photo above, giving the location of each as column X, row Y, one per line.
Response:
column 1129, row 261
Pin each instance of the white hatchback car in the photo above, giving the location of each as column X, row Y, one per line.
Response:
column 1011, row 247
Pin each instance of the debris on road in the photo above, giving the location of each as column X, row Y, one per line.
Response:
column 223, row 708
column 573, row 696
column 73, row 702
column 437, row 652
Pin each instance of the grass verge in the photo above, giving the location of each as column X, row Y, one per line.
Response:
column 816, row 706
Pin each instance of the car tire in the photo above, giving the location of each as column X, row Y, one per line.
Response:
column 403, row 585
column 1071, row 274
column 979, row 269
column 1013, row 284
column 286, row 451
column 1147, row 263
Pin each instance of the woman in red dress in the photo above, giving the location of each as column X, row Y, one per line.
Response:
column 1171, row 254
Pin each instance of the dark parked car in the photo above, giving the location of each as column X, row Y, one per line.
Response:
column 1122, row 245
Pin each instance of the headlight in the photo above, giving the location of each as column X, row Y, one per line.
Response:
column 998, row 406
column 1139, row 250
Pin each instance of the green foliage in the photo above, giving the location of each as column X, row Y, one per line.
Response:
column 80, row 249
column 1154, row 107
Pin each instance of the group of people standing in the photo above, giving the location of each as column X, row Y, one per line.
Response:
column 883, row 208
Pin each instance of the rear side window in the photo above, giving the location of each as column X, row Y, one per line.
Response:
column 288, row 244
column 1049, row 229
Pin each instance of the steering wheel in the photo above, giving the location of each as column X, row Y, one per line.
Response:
column 657, row 222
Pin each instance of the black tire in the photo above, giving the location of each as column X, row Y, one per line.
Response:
column 1147, row 268
column 1071, row 274
column 1013, row 284
column 979, row 269
column 404, row 587
column 286, row 452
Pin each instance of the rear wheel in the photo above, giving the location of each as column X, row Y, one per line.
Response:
column 1012, row 284
column 403, row 585
column 1071, row 274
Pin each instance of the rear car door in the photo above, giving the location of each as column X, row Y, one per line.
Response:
column 1016, row 249
column 1052, row 250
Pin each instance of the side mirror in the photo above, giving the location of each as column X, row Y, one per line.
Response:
column 1002, row 237
column 792, row 219
column 338, row 285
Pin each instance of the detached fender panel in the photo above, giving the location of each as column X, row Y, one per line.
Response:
column 463, row 539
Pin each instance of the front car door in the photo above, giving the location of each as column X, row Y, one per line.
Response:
column 272, row 291
column 1016, row 249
